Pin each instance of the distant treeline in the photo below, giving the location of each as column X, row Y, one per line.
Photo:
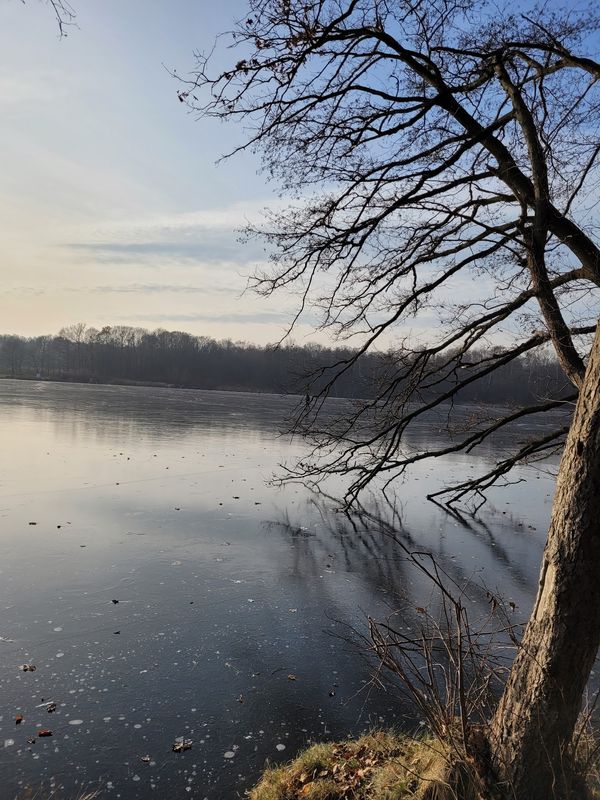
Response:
column 123, row 354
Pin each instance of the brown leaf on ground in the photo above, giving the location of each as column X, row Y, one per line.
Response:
column 181, row 745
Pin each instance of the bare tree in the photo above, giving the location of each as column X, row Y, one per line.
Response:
column 440, row 159
column 64, row 14
column 75, row 333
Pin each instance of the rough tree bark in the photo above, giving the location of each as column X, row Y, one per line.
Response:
column 534, row 723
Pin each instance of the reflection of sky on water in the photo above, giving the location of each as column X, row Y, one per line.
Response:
column 225, row 586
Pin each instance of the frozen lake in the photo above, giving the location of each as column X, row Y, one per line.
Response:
column 230, row 593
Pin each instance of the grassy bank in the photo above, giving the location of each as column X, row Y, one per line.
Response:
column 378, row 766
column 389, row 766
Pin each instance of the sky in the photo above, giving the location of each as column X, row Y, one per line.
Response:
column 114, row 211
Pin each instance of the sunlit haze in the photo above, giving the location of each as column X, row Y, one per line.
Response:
column 114, row 210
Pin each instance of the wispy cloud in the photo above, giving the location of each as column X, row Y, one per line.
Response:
column 261, row 317
column 232, row 217
column 25, row 290
column 31, row 89
column 213, row 250
column 163, row 288
column 207, row 237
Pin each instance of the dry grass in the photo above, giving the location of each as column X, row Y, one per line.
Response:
column 389, row 766
column 587, row 760
column 378, row 766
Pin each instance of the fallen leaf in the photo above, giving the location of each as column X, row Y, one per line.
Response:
column 51, row 708
column 291, row 677
column 146, row 759
column 19, row 719
column 44, row 732
column 28, row 667
column 181, row 744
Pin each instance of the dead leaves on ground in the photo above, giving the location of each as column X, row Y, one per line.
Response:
column 350, row 770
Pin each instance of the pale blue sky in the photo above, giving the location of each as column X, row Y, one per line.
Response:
column 113, row 209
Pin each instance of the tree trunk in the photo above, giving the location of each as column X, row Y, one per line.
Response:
column 533, row 725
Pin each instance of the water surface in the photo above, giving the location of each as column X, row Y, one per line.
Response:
column 231, row 593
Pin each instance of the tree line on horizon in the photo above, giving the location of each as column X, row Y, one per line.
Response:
column 125, row 354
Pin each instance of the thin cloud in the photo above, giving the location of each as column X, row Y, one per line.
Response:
column 203, row 237
column 214, row 250
column 25, row 290
column 233, row 217
column 164, row 288
column 261, row 317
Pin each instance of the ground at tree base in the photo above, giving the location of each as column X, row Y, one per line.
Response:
column 378, row 766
